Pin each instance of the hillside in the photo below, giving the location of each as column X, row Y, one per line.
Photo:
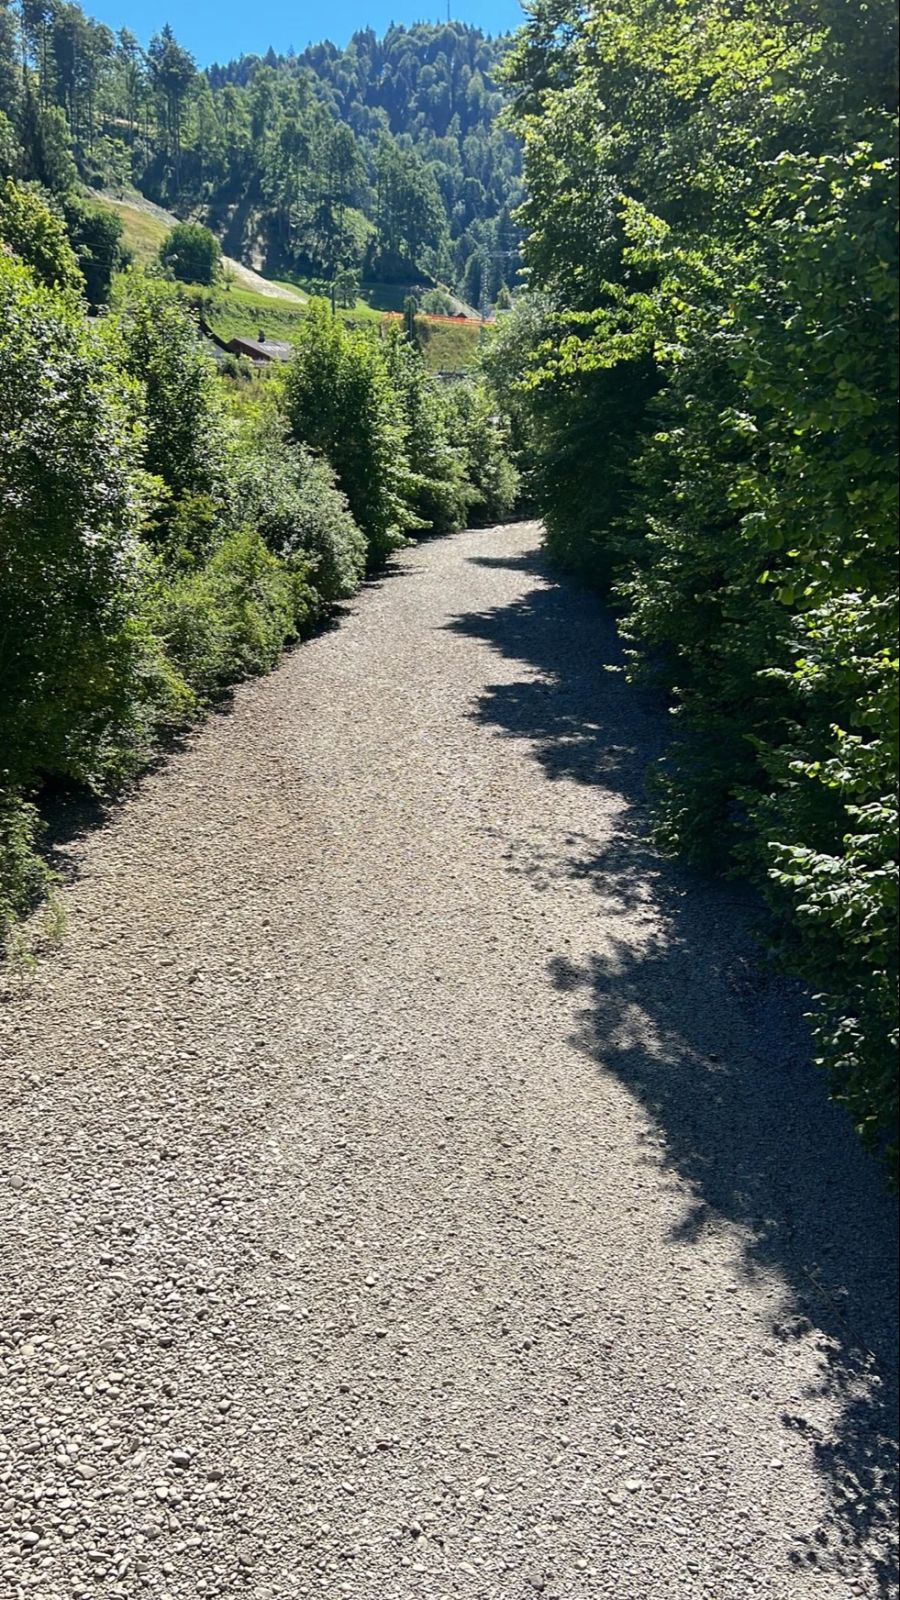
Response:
column 432, row 92
column 383, row 163
column 145, row 226
column 247, row 303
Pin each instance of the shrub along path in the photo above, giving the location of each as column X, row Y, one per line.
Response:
column 409, row 1186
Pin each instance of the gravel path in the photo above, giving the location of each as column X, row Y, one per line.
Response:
column 409, row 1188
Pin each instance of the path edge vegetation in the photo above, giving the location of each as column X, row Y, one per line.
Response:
column 703, row 382
column 167, row 530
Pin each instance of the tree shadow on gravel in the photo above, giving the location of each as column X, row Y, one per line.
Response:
column 394, row 567
column 740, row 1112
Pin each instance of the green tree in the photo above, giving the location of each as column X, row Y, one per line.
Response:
column 132, row 67
column 482, row 438
column 172, row 73
column 47, row 156
column 291, row 497
column 96, row 236
column 10, row 58
column 191, row 253
column 410, row 216
column 185, row 432
column 711, row 407
column 342, row 175
column 10, row 149
column 338, row 399
column 38, row 237
column 438, row 490
column 70, row 651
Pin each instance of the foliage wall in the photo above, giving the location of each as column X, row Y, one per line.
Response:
column 165, row 530
column 705, row 373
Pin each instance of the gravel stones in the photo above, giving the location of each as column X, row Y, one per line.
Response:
column 401, row 1198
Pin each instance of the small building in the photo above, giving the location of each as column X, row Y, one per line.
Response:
column 261, row 350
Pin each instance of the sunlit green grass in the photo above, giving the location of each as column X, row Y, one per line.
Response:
column 245, row 312
column 237, row 311
column 142, row 234
column 446, row 346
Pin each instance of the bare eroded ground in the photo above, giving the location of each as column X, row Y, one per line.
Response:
column 410, row 1188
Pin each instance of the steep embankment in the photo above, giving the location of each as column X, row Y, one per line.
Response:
column 146, row 226
column 411, row 1188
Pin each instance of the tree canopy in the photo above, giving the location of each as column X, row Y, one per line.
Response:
column 191, row 253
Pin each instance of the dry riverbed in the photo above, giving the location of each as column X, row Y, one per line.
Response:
column 410, row 1188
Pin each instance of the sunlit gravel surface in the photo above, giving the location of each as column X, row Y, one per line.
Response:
column 410, row 1187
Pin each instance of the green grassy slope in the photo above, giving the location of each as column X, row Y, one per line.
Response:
column 447, row 346
column 142, row 233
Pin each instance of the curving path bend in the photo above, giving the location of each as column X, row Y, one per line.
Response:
column 409, row 1187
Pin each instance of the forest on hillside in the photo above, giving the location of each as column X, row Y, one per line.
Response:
column 385, row 161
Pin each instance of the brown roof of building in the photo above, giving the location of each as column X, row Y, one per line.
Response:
column 260, row 349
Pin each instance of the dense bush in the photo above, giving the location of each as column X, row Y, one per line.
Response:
column 437, row 303
column 709, row 396
column 163, row 531
column 338, row 399
column 69, row 560
column 482, row 438
column 230, row 617
column 136, row 579
column 291, row 497
column 191, row 253
column 185, row 433
column 24, row 875
column 31, row 230
column 437, row 489
column 71, row 649
column 95, row 233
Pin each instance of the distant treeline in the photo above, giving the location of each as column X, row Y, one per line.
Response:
column 384, row 160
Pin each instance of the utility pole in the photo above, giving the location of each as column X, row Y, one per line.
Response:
column 487, row 256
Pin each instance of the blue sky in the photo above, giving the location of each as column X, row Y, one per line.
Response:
column 216, row 30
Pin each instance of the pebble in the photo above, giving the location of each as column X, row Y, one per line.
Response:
column 198, row 1400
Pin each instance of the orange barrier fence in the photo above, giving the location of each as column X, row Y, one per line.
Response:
column 455, row 322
